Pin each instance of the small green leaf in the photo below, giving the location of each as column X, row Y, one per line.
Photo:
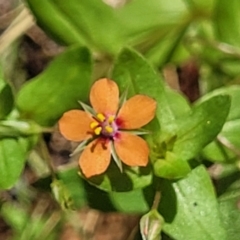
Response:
column 61, row 194
column 201, row 126
column 75, row 187
column 58, row 88
column 171, row 167
column 6, row 101
column 11, row 163
column 193, row 213
column 151, row 225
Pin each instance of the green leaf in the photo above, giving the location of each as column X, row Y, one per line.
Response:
column 6, row 101
column 151, row 225
column 52, row 20
column 169, row 47
column 96, row 25
column 216, row 151
column 131, row 178
column 140, row 17
column 131, row 202
column 229, row 203
column 227, row 21
column 61, row 194
column 75, row 187
column 132, row 72
column 92, row 23
column 201, row 7
column 95, row 21
column 201, row 126
column 172, row 167
column 11, row 163
column 15, row 216
column 58, row 88
column 192, row 212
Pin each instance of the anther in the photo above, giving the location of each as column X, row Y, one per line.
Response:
column 98, row 130
column 101, row 117
column 94, row 125
column 109, row 129
column 111, row 119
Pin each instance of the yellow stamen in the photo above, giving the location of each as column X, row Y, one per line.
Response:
column 93, row 125
column 101, row 117
column 98, row 130
column 109, row 129
column 111, row 119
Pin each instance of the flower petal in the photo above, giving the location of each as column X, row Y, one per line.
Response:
column 131, row 149
column 136, row 112
column 104, row 96
column 95, row 158
column 74, row 125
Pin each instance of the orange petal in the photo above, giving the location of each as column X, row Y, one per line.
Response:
column 131, row 149
column 95, row 158
column 104, row 96
column 74, row 125
column 136, row 112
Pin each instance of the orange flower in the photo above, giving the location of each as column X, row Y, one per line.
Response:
column 103, row 126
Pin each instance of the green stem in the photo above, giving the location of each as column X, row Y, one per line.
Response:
column 47, row 157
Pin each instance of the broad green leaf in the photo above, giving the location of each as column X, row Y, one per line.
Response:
column 11, row 163
column 227, row 182
column 131, row 202
column 131, row 178
column 95, row 21
column 132, row 72
column 6, row 101
column 92, row 23
column 58, row 88
column 178, row 103
column 227, row 21
column 52, row 20
column 171, row 167
column 201, row 127
column 95, row 24
column 168, row 47
column 201, row 7
column 193, row 212
column 216, row 151
column 229, row 209
column 226, row 147
column 141, row 16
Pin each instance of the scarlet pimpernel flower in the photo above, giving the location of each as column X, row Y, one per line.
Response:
column 105, row 129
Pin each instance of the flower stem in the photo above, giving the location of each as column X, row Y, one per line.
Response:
column 47, row 157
